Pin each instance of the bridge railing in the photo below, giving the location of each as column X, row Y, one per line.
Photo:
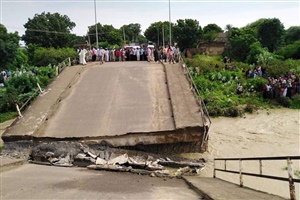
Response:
column 59, row 68
column 204, row 113
column 289, row 159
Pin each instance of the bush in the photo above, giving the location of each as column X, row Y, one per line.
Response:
column 284, row 101
column 232, row 112
column 218, row 88
column 290, row 51
column 295, row 102
column 46, row 56
column 7, row 116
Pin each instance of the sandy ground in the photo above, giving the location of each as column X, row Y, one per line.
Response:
column 265, row 133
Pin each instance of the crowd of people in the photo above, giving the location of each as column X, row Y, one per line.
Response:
column 286, row 85
column 130, row 53
column 7, row 74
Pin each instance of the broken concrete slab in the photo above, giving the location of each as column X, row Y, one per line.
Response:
column 100, row 161
column 108, row 167
column 122, row 159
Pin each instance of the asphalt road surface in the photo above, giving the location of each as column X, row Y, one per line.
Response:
column 47, row 182
column 113, row 99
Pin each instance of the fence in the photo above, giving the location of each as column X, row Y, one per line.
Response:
column 59, row 68
column 204, row 113
column 290, row 178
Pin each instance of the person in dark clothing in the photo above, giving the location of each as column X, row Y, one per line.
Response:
column 155, row 55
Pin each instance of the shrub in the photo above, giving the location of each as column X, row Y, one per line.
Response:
column 295, row 102
column 7, row 116
column 290, row 51
column 284, row 101
column 232, row 112
column 46, row 56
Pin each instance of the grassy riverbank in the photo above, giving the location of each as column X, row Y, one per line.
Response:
column 218, row 85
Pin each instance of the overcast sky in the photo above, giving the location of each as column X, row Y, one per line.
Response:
column 15, row 13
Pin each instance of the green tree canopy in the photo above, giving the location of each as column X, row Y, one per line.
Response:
column 49, row 30
column 212, row 27
column 132, row 33
column 290, row 50
column 241, row 41
column 106, row 34
column 187, row 33
column 292, row 34
column 270, row 33
column 158, row 31
column 210, row 32
column 9, row 44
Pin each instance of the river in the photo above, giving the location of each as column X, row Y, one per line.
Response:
column 264, row 133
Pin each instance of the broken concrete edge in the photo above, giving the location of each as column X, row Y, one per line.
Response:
column 131, row 170
column 49, row 111
column 73, row 153
column 187, row 134
column 196, row 189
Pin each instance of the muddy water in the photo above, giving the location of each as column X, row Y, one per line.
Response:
column 265, row 133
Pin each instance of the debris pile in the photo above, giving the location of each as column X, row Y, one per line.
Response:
column 97, row 157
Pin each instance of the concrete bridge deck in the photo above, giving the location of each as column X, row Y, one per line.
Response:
column 123, row 103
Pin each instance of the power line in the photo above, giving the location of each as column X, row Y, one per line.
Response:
column 47, row 31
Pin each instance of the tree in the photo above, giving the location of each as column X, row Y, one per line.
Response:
column 9, row 44
column 229, row 28
column 210, row 32
column 212, row 27
column 157, row 31
column 240, row 42
column 131, row 31
column 107, row 35
column 292, row 34
column 49, row 30
column 270, row 33
column 290, row 50
column 187, row 33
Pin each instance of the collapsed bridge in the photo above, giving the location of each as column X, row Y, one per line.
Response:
column 148, row 106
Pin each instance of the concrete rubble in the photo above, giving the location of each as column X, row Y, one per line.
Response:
column 98, row 157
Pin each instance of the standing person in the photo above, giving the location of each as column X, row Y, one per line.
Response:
column 120, row 55
column 82, row 56
column 142, row 54
column 165, row 53
column 90, row 55
column 170, row 55
column 106, row 55
column 112, row 55
column 138, row 54
column 100, row 55
column 94, row 54
column 176, row 54
column 149, row 52
column 155, row 55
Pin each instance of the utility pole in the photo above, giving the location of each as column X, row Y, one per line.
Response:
column 96, row 25
column 163, row 32
column 124, row 35
column 89, row 39
column 157, row 36
column 170, row 22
